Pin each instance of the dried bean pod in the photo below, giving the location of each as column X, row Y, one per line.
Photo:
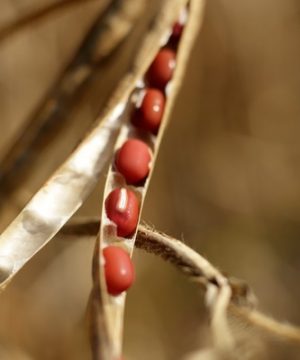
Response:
column 112, row 307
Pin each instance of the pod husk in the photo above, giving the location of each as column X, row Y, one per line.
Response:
column 67, row 189
column 107, row 311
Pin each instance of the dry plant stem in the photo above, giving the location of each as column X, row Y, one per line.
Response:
column 218, row 289
column 197, row 269
column 113, row 306
column 36, row 16
column 173, row 251
column 283, row 331
column 106, row 34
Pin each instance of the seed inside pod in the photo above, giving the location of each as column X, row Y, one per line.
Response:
column 122, row 207
column 119, row 270
column 133, row 160
column 162, row 68
column 148, row 116
column 177, row 30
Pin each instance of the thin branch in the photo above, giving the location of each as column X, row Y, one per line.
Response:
column 283, row 331
column 37, row 16
column 197, row 269
column 217, row 286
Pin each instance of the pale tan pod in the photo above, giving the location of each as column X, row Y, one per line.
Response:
column 66, row 190
column 107, row 311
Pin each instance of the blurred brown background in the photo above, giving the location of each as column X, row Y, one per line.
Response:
column 226, row 181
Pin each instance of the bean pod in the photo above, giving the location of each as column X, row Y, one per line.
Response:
column 138, row 139
column 136, row 148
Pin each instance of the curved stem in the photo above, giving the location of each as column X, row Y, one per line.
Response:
column 197, row 269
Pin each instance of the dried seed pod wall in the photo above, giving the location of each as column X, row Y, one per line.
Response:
column 69, row 186
column 143, row 100
column 147, row 111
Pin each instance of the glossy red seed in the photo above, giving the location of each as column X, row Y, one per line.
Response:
column 162, row 68
column 177, row 30
column 132, row 161
column 119, row 270
column 148, row 116
column 122, row 207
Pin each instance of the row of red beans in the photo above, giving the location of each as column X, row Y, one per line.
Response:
column 133, row 161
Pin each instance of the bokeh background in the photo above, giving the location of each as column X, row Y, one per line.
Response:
column 226, row 180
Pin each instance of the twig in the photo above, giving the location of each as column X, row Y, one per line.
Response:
column 199, row 270
column 173, row 251
column 217, row 286
column 283, row 331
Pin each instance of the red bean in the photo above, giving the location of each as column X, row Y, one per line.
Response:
column 133, row 160
column 177, row 30
column 119, row 270
column 122, row 207
column 148, row 116
column 162, row 68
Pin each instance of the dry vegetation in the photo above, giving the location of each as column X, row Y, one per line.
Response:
column 226, row 181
